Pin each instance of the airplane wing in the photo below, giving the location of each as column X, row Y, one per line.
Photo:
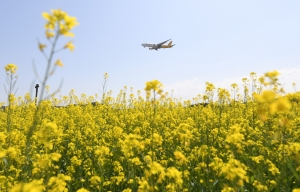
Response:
column 159, row 44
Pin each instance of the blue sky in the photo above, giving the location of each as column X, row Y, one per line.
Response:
column 216, row 41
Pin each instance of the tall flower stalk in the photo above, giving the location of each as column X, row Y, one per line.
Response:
column 156, row 87
column 11, row 80
column 59, row 23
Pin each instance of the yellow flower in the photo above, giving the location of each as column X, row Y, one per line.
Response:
column 2, row 179
column 143, row 185
column 95, row 180
column 175, row 175
column 259, row 186
column 51, row 21
column 157, row 171
column 234, row 85
column 2, row 137
column 180, row 157
column 59, row 63
column 257, row 159
column 51, row 126
column 58, row 183
column 209, row 87
column 55, row 156
column 157, row 139
column 105, row 75
column 234, row 169
column 272, row 77
column 228, row 189
column 272, row 168
column 12, row 68
column 235, row 138
column 283, row 104
column 2, row 154
column 70, row 46
column 75, row 161
column 153, row 85
column 265, row 97
column 49, row 34
column 70, row 22
column 41, row 47
column 33, row 186
column 82, row 190
column 61, row 20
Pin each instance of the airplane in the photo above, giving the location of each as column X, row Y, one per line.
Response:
column 159, row 45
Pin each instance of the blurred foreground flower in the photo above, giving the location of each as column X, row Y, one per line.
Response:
column 58, row 23
column 60, row 20
column 41, row 47
column 59, row 63
column 70, row 46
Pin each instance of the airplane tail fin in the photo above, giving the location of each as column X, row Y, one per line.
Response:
column 170, row 44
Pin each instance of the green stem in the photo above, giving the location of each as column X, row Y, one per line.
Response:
column 49, row 65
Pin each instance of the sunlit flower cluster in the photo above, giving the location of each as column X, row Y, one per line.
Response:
column 61, row 21
column 11, row 68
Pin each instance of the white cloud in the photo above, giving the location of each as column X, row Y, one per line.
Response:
column 190, row 88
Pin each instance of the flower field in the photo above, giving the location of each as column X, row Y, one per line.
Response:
column 129, row 143
column 242, row 139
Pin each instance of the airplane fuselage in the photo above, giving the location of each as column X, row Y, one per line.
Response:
column 151, row 46
column 158, row 46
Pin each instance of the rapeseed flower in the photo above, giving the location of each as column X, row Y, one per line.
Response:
column 33, row 186
column 70, row 46
column 235, row 170
column 49, row 34
column 143, row 185
column 175, row 177
column 11, row 68
column 258, row 159
column 272, row 168
column 2, row 153
column 41, row 47
column 61, row 20
column 272, row 76
column 82, row 190
column 180, row 157
column 155, row 86
column 55, row 156
column 259, row 186
column 228, row 189
column 59, row 63
column 58, row 183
